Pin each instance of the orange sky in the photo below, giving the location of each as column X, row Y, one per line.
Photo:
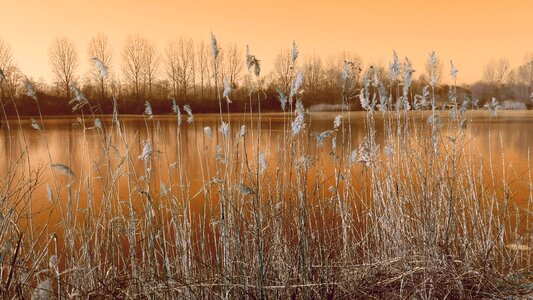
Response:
column 470, row 32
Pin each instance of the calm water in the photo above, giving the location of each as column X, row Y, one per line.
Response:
column 65, row 142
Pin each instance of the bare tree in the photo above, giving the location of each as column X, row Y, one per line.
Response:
column 496, row 71
column 64, row 61
column 188, row 62
column 502, row 69
column 526, row 70
column 313, row 73
column 6, row 57
column 100, row 48
column 192, row 57
column 151, row 61
column 512, row 77
column 180, row 65
column 173, row 66
column 10, row 74
column 523, row 74
column 203, row 66
column 489, row 72
column 334, row 67
column 234, row 64
column 134, row 56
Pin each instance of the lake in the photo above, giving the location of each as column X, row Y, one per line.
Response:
column 148, row 190
column 510, row 133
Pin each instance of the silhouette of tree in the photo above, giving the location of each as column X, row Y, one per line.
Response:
column 203, row 67
column 234, row 64
column 151, row 61
column 10, row 73
column 489, row 72
column 64, row 61
column 133, row 61
column 180, row 65
column 140, row 63
column 313, row 71
column 502, row 69
column 496, row 71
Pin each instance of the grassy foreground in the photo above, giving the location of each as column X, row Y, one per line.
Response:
column 416, row 213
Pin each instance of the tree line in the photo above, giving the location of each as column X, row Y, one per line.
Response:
column 187, row 71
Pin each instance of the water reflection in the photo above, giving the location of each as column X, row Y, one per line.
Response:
column 505, row 139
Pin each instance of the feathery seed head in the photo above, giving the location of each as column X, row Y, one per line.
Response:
column 176, row 110
column 252, row 62
column 294, row 52
column 389, row 150
column 453, row 70
column 364, row 99
column 147, row 151
column 435, row 121
column 49, row 193
column 79, row 99
column 52, row 262
column 63, row 169
column 214, row 46
column 433, row 59
column 30, row 90
column 164, row 189
column 175, row 107
column 353, row 157
column 227, row 90
column 337, row 122
column 282, row 98
column 432, row 62
column 299, row 123
column 347, row 71
column 102, row 68
column 224, row 128
column 407, row 73
column 35, row 125
column 320, row 137
column 394, row 67
column 368, row 152
column 148, row 109
column 43, row 291
column 493, row 107
column 188, row 109
column 262, row 163
column 244, row 189
column 296, row 86
column 208, row 132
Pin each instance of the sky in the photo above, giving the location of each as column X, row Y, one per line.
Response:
column 469, row 32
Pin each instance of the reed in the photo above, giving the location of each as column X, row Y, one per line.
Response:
column 413, row 211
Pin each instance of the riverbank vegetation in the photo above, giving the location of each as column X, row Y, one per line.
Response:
column 184, row 70
column 411, row 211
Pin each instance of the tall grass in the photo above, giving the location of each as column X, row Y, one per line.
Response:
column 411, row 212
